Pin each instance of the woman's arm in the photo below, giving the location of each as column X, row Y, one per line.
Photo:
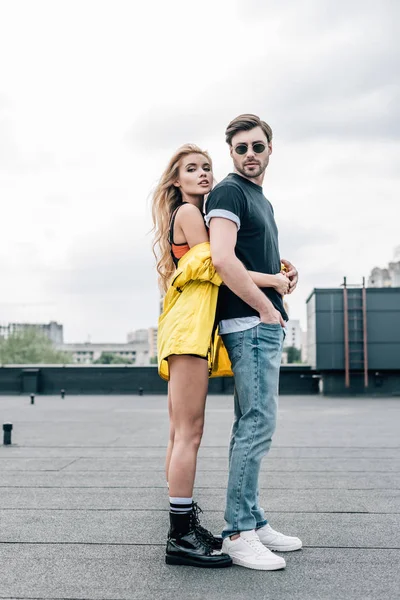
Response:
column 194, row 230
column 279, row 281
column 190, row 225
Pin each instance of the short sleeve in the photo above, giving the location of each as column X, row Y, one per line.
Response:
column 227, row 202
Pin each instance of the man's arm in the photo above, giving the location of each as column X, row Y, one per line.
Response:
column 223, row 236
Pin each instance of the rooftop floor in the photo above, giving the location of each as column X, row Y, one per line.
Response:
column 84, row 506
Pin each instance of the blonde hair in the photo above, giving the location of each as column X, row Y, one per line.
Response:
column 166, row 198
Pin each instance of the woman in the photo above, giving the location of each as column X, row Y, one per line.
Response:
column 180, row 233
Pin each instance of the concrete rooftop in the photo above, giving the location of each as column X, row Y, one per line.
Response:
column 84, row 506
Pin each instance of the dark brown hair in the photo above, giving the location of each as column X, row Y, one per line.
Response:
column 245, row 123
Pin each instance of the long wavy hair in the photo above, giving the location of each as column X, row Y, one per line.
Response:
column 166, row 198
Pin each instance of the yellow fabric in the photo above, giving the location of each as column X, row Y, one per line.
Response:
column 186, row 324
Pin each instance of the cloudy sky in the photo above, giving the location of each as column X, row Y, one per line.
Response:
column 96, row 95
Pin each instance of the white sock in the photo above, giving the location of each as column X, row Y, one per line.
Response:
column 180, row 505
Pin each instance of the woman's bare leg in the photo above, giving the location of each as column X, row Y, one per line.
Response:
column 188, row 390
column 171, row 436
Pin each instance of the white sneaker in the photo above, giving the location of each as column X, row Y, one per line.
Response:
column 277, row 541
column 248, row 551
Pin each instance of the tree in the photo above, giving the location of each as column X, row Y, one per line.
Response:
column 31, row 346
column 293, row 355
column 109, row 358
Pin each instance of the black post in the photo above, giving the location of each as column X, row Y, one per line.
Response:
column 32, row 398
column 7, row 428
column 62, row 394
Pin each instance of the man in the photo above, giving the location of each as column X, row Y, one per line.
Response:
column 244, row 236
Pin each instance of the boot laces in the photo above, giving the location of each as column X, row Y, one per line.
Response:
column 205, row 535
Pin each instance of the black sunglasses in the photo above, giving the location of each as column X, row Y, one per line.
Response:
column 258, row 148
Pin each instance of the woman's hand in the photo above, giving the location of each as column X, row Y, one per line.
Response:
column 281, row 283
column 291, row 273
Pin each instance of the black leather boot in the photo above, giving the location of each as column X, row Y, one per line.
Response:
column 187, row 546
column 214, row 542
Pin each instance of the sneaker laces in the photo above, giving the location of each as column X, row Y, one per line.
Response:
column 255, row 543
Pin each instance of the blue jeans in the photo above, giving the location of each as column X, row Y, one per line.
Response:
column 255, row 355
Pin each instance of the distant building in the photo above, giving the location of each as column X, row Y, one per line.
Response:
column 304, row 342
column 387, row 277
column 293, row 334
column 153, row 335
column 395, row 273
column 140, row 335
column 87, row 353
column 146, row 336
column 380, row 278
column 52, row 330
column 294, row 338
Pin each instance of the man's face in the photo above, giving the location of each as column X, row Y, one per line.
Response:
column 251, row 164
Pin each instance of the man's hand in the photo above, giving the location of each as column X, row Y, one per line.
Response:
column 292, row 275
column 272, row 316
column 223, row 236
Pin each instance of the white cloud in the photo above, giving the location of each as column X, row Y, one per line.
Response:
column 94, row 97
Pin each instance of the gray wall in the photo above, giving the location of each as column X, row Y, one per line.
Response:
column 326, row 325
column 380, row 383
column 110, row 379
column 383, row 310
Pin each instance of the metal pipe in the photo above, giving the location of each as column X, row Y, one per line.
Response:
column 346, row 335
column 365, row 340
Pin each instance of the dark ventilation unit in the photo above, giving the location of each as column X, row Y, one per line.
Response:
column 354, row 338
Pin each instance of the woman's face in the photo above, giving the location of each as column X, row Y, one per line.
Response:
column 195, row 176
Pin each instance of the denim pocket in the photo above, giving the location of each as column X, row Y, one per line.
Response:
column 271, row 332
column 234, row 344
column 271, row 325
